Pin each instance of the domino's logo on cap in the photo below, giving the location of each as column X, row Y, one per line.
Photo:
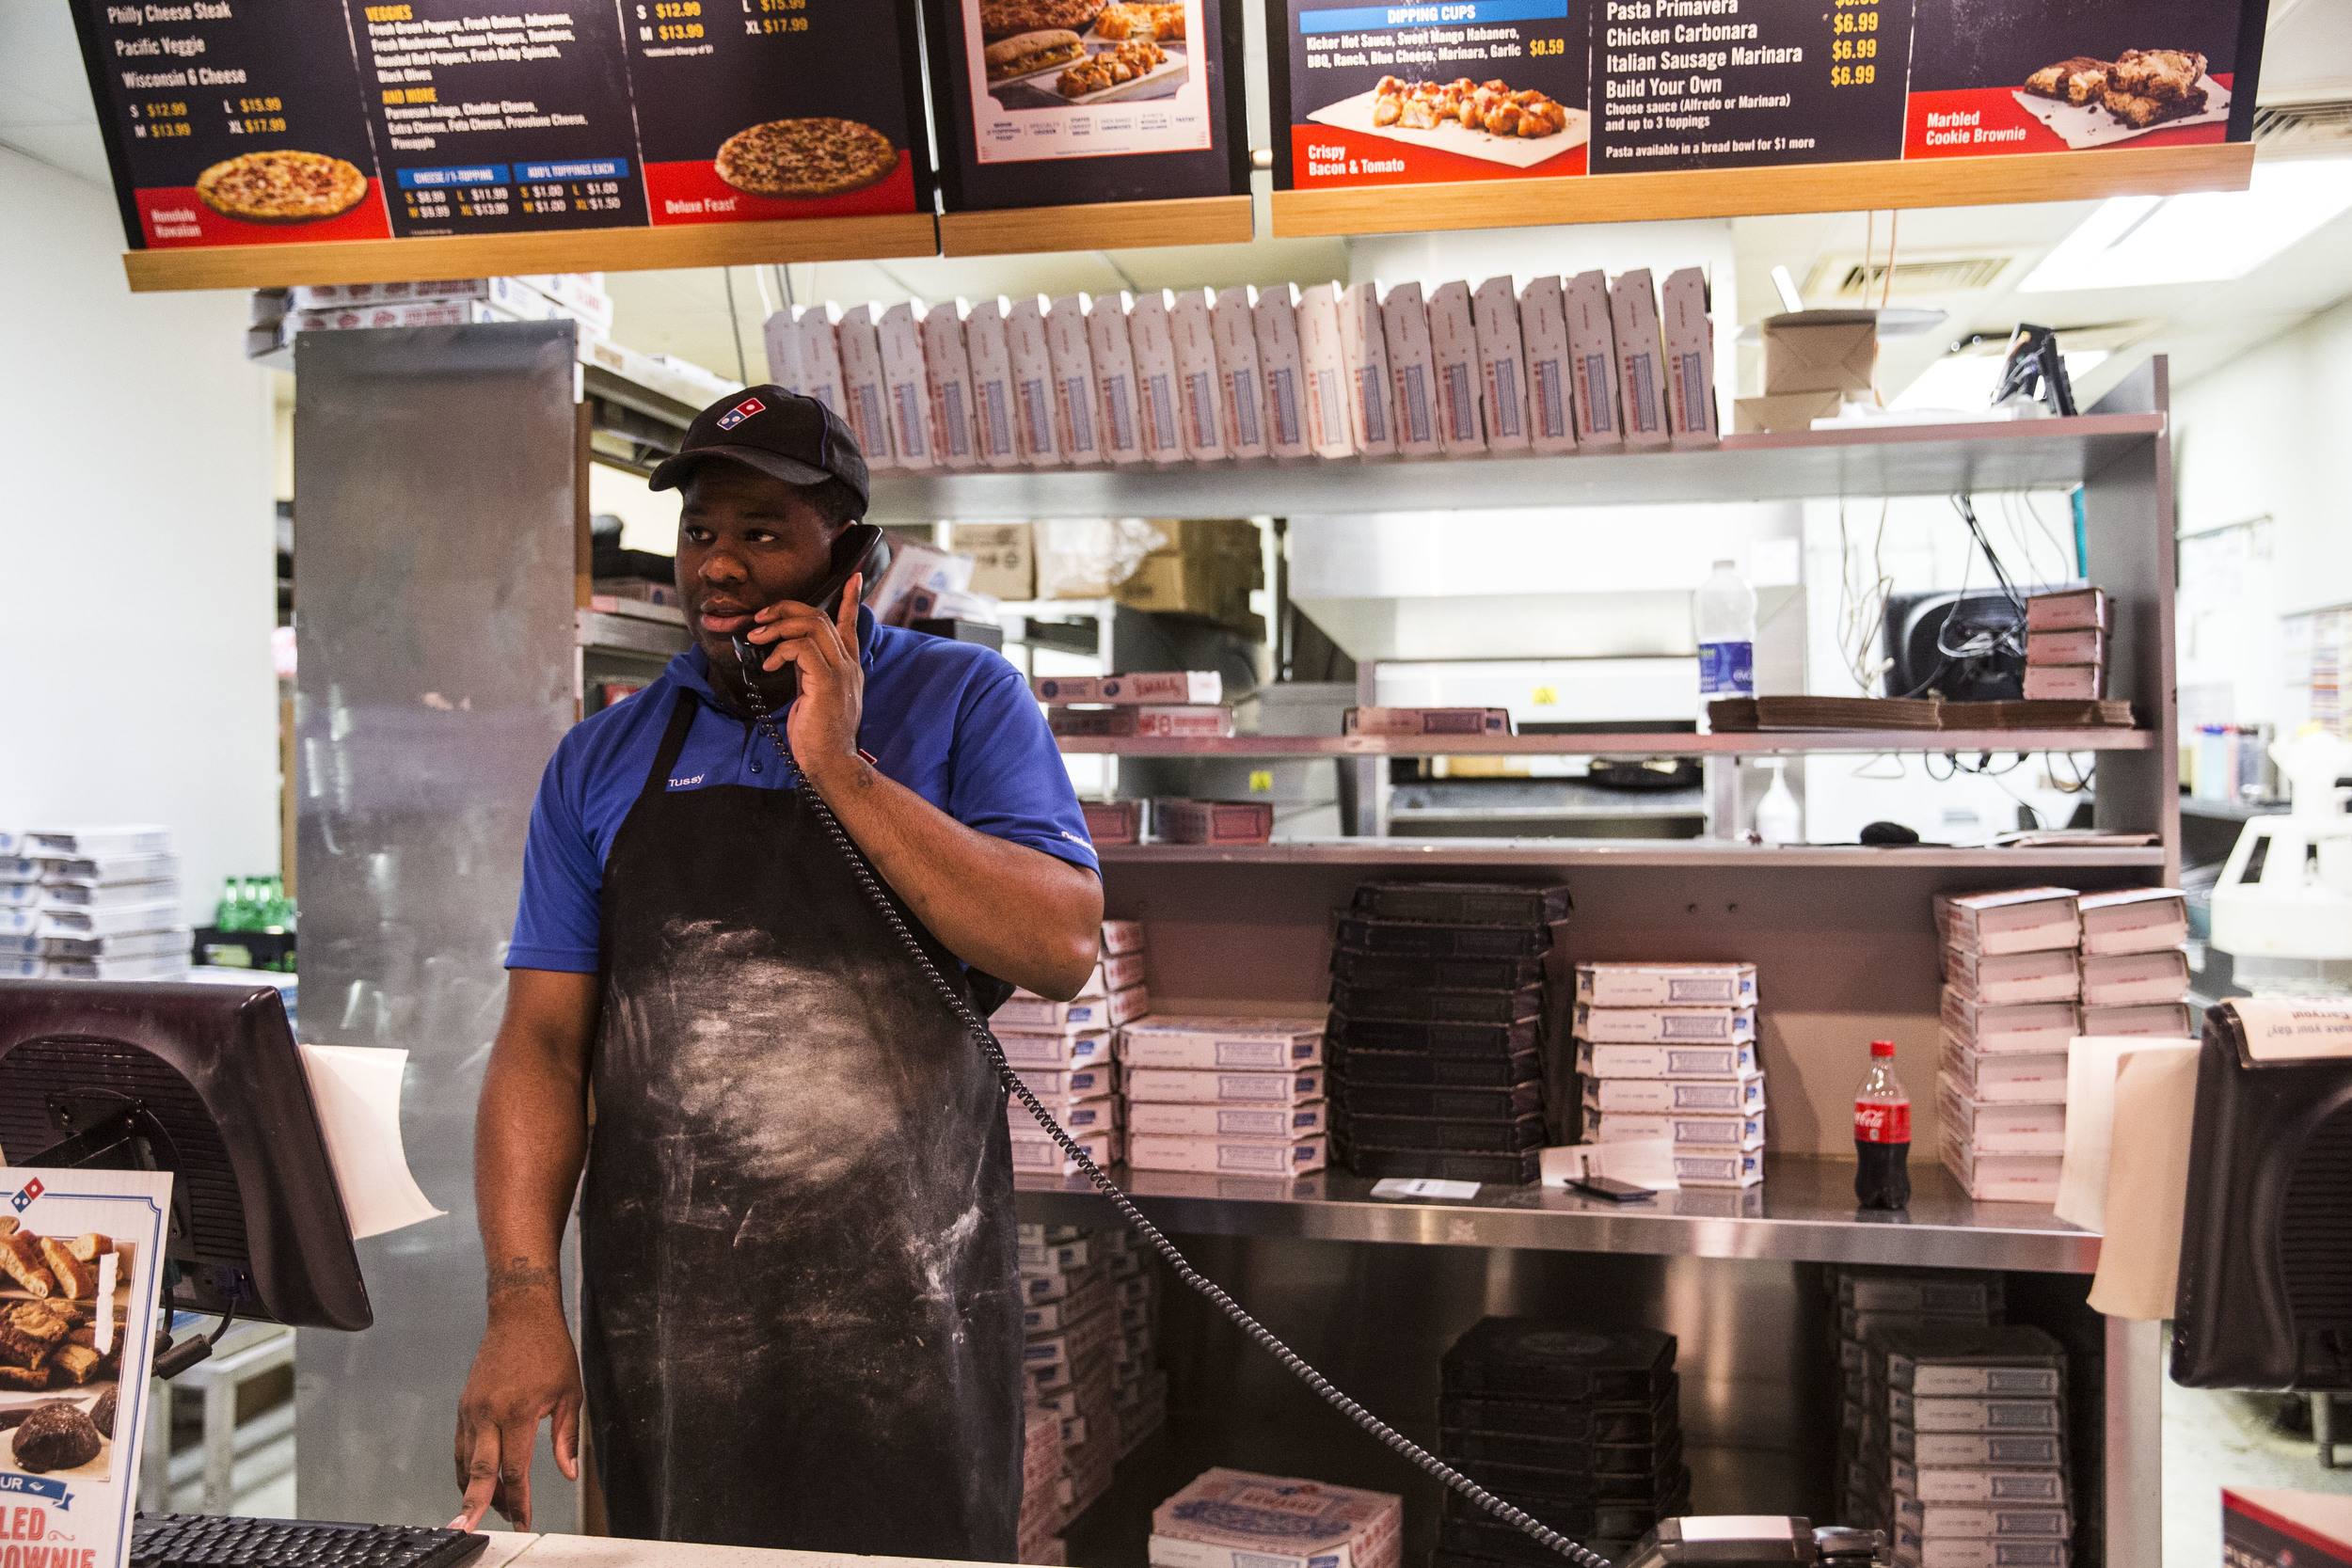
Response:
column 740, row 412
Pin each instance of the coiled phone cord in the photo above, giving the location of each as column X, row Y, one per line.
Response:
column 1404, row 1447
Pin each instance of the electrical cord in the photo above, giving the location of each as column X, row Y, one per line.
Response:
column 1395, row 1441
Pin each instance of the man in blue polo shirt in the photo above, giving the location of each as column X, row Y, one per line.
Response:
column 800, row 1324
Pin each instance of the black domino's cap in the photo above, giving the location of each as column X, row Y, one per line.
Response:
column 783, row 434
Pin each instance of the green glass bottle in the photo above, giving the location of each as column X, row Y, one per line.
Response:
column 227, row 915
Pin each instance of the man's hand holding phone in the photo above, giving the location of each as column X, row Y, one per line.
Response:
column 822, row 725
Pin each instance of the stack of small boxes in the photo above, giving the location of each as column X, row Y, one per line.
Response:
column 1072, row 1317
column 1062, row 1053
column 91, row 904
column 1234, row 1519
column 1580, row 1428
column 1437, row 1010
column 1040, row 1484
column 1139, row 1388
column 1224, row 1095
column 2025, row 972
column 1667, row 1053
column 2066, row 645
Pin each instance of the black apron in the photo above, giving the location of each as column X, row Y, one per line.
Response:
column 800, row 1323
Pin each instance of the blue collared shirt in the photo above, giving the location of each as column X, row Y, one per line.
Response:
column 952, row 721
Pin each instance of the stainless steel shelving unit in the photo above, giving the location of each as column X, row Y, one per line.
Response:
column 1402, row 854
column 1636, row 743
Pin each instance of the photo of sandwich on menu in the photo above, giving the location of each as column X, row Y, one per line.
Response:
column 1081, row 52
column 2092, row 102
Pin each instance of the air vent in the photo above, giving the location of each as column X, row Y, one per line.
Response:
column 2323, row 126
column 1953, row 275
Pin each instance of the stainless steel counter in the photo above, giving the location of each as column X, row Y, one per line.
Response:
column 1803, row 1213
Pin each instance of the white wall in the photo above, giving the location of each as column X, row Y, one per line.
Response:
column 136, row 543
column 2263, row 436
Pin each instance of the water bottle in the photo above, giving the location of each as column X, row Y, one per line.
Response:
column 1882, row 1135
column 1725, row 612
column 227, row 916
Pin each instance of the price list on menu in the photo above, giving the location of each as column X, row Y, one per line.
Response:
column 493, row 121
column 1736, row 84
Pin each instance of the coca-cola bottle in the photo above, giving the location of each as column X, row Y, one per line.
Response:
column 1882, row 1135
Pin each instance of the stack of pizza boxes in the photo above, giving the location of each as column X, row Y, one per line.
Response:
column 1070, row 1316
column 1061, row 1052
column 1040, row 1476
column 1666, row 1053
column 1224, row 1095
column 2012, row 979
column 1138, row 1387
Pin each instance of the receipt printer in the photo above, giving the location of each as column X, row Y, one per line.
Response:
column 1756, row 1540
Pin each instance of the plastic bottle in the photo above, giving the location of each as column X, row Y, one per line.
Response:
column 227, row 915
column 1882, row 1135
column 1777, row 819
column 1725, row 614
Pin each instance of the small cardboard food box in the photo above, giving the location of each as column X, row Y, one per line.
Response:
column 1640, row 358
column 1593, row 341
column 1274, row 317
column 1364, row 353
column 906, row 388
column 990, row 359
column 1502, row 362
column 1821, row 351
column 1032, row 384
column 1077, row 419
column 1328, row 431
column 1233, row 326
column 1412, row 371
column 1159, row 402
column 947, row 375
column 865, row 403
column 1690, row 359
column 1203, row 410
column 1237, row 1519
column 1453, row 353
column 821, row 356
column 1551, row 365
column 1115, row 392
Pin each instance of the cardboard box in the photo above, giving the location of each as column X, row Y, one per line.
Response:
column 2135, row 920
column 1952, row 1484
column 1593, row 341
column 1077, row 418
column 2079, row 683
column 990, row 360
column 1202, row 416
column 2037, row 1028
column 916, row 569
column 1720, row 1062
column 1161, row 407
column 947, row 373
column 1102, row 1149
column 1189, row 1087
column 1790, row 411
column 1716, row 1134
column 1412, row 371
column 2075, row 645
column 1040, row 1015
column 2016, row 1080
column 1113, row 821
column 1097, row 1115
column 2166, row 1022
column 1690, row 336
column 1329, row 434
column 1084, row 1082
column 1221, row 1044
column 1974, row 1414
column 1501, row 363
column 2012, row 979
column 1122, row 936
column 1115, row 392
column 2134, row 979
column 1996, row 1127
column 1237, row 1519
column 1227, row 1156
column 1426, row 721
column 1054, row 1051
column 1671, row 1097
column 906, row 388
column 2073, row 609
column 1273, row 316
column 865, row 403
column 1004, row 561
column 820, row 357
column 1690, row 985
column 2020, row 920
column 1821, row 351
column 1640, row 358
column 1188, row 687
column 1033, row 434
column 1364, row 353
column 1550, row 366
column 1693, row 1169
column 1162, row 723
column 1183, row 821
column 1234, row 329
column 781, row 336
column 1288, row 1123
column 1207, row 569
column 1453, row 353
column 1663, row 1025
column 351, row 318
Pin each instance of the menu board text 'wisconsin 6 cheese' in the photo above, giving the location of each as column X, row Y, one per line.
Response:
column 272, row 123
column 1498, row 89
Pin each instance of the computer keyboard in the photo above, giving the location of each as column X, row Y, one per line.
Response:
column 197, row 1541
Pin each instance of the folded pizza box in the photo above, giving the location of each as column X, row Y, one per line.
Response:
column 1501, row 363
column 1232, row 327
column 2014, row 1079
column 2043, row 1415
column 820, row 356
column 1364, row 357
column 2012, row 979
column 2019, row 920
column 1275, row 1156
column 1104, row 1149
column 1159, row 409
column 1731, row 1060
column 1681, row 985
column 1122, row 936
column 1454, row 359
column 1228, row 1121
column 1113, row 356
column 2163, row 1021
column 1213, row 1043
column 1593, row 345
column 1237, row 1519
column 1941, row 1292
column 1274, row 313
column 2009, row 1450
column 906, row 388
column 990, row 359
column 1980, row 1552
column 2134, row 979
column 866, row 403
column 2034, row 1028
column 1682, row 1131
column 1412, row 371
column 1666, row 1096
column 1181, row 1086
column 2136, row 920
column 1690, row 363
column 1202, row 420
column 1033, row 432
column 1953, row 1484
column 1640, row 358
column 1083, row 1115
column 1172, row 688
column 1663, row 1025
column 1550, row 366
column 1324, row 363
column 947, row 374
column 1054, row 1049
column 1077, row 414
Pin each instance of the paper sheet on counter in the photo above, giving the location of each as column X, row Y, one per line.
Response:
column 2147, row 1187
column 2091, row 1061
column 357, row 1091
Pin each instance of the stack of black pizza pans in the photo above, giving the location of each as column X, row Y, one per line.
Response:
column 1577, row 1428
column 1438, row 1009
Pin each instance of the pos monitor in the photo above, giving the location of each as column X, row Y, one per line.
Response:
column 204, row 1082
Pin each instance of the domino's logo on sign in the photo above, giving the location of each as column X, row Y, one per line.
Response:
column 23, row 1200
column 740, row 412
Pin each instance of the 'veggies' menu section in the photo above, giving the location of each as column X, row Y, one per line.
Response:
column 1498, row 89
column 232, row 121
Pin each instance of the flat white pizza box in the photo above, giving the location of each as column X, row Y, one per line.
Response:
column 2167, row 1020
column 948, row 373
column 1278, row 1156
column 906, row 388
column 1679, row 984
column 1084, row 1083
column 1996, row 1127
column 1593, row 341
column 1718, row 1061
column 1412, row 371
column 1663, row 1025
column 1122, row 936
column 1046, row 1158
column 1742, row 1096
column 1053, row 1050
column 1033, row 435
column 1701, row 1168
column 1238, row 1519
column 1077, row 418
column 1681, row 1131
column 1185, row 1087
column 1275, row 315
column 1453, row 351
column 2035, row 1028
column 1501, row 363
column 1099, row 1113
column 1161, row 410
column 991, row 358
column 866, row 406
column 1328, row 431
column 2011, row 978
column 1551, row 367
column 2005, row 1080
column 2016, row 920
column 1690, row 359
column 1291, row 1122
column 821, row 356
column 1364, row 355
column 2134, row 979
column 1203, row 1043
column 781, row 336
column 1203, row 417
column 1115, row 392
column 1234, row 329
column 2136, row 920
column 1640, row 358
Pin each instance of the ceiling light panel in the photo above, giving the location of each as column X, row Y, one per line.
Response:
column 2146, row 241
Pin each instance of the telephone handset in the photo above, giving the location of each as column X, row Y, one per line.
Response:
column 862, row 547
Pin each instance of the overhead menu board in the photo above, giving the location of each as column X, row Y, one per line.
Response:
column 1458, row 93
column 276, row 123
column 1120, row 119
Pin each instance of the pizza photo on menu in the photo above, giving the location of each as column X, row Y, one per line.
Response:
column 281, row 187
column 814, row 157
